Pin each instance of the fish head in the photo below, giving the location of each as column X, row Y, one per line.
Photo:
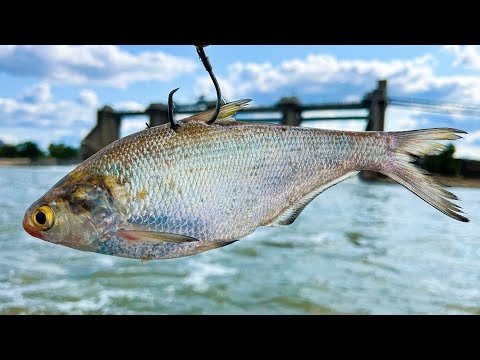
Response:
column 76, row 212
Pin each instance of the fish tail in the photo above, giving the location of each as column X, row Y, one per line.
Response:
column 401, row 169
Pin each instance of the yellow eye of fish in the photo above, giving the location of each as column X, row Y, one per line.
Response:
column 43, row 218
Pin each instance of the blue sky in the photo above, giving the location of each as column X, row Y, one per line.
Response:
column 51, row 93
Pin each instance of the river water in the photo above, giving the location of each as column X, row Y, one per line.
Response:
column 357, row 249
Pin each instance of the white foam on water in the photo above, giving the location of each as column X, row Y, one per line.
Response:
column 201, row 271
column 11, row 296
column 319, row 238
column 103, row 301
column 33, row 263
column 170, row 294
column 12, row 293
column 105, row 260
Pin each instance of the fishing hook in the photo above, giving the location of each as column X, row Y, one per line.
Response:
column 208, row 67
column 173, row 124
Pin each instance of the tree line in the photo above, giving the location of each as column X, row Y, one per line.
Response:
column 443, row 163
column 32, row 151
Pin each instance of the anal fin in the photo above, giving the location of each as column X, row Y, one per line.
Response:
column 289, row 215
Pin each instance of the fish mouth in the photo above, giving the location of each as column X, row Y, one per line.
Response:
column 29, row 228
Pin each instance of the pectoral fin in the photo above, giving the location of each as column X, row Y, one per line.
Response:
column 152, row 236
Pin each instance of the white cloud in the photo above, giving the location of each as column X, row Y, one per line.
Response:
column 35, row 115
column 464, row 151
column 401, row 119
column 129, row 106
column 89, row 98
column 315, row 73
column 9, row 138
column 204, row 86
column 130, row 126
column 326, row 74
column 40, row 118
column 472, row 137
column 40, row 92
column 352, row 98
column 93, row 64
column 465, row 55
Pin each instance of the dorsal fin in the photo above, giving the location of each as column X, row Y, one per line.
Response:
column 226, row 111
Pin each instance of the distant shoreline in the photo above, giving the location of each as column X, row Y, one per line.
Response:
column 39, row 162
column 458, row 181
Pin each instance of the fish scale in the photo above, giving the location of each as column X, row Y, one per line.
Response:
column 164, row 193
column 232, row 177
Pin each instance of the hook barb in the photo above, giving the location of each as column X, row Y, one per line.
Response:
column 173, row 124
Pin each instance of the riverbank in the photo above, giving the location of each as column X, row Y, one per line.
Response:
column 15, row 162
column 38, row 162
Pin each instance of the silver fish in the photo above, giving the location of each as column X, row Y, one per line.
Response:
column 164, row 193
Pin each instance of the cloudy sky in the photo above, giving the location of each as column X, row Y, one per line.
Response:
column 51, row 93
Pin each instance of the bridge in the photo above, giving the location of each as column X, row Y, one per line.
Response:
column 290, row 109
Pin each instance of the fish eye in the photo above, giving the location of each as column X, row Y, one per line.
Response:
column 43, row 218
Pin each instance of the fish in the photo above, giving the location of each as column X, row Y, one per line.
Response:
column 168, row 192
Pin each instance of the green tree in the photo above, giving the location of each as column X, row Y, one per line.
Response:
column 60, row 151
column 443, row 163
column 8, row 151
column 29, row 150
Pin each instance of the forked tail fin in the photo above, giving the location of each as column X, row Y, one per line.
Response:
column 421, row 142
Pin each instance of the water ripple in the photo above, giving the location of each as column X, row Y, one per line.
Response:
column 358, row 248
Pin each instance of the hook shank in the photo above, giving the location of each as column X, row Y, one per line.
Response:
column 173, row 124
column 208, row 67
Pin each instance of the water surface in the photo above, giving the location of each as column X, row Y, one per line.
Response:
column 357, row 249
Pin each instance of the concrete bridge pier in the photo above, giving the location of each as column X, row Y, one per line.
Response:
column 105, row 132
column 376, row 102
column 158, row 114
column 291, row 110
